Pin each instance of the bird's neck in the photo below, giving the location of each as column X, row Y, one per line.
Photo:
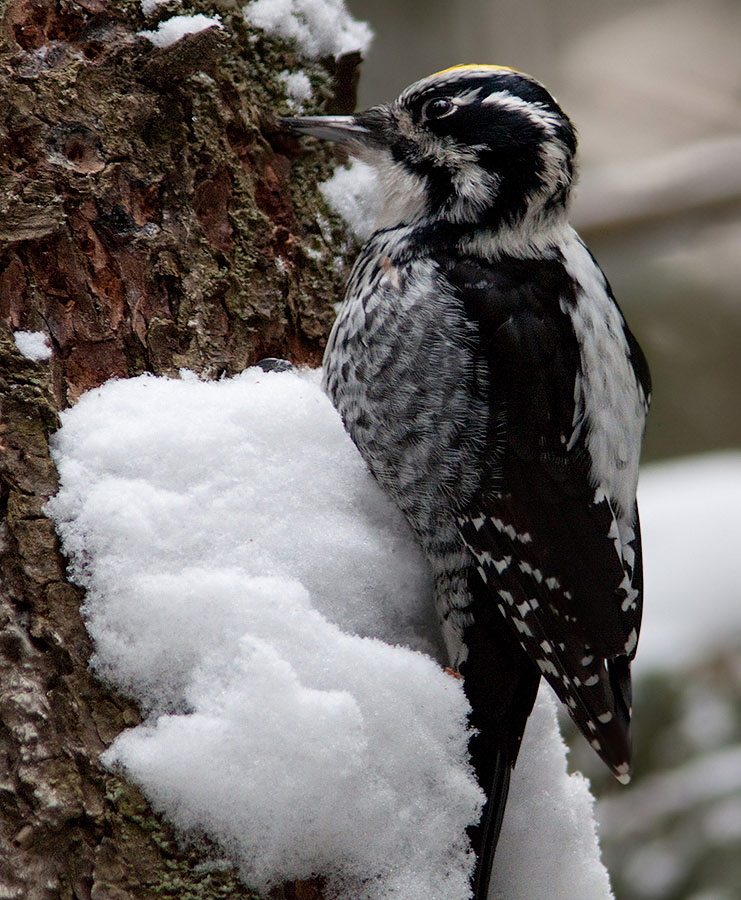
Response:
column 536, row 233
column 532, row 235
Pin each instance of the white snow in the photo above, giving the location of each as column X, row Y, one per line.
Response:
column 549, row 848
column 172, row 30
column 150, row 7
column 318, row 27
column 251, row 587
column 353, row 192
column 691, row 527
column 33, row 345
column 298, row 88
column 299, row 754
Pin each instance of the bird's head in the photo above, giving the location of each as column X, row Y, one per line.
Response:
column 473, row 145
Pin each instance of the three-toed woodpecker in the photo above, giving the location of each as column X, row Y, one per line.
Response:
column 486, row 374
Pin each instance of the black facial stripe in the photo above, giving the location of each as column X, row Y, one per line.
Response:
column 502, row 128
column 439, row 178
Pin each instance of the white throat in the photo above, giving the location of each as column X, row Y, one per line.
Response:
column 403, row 195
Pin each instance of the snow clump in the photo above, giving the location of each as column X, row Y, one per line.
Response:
column 251, row 586
column 318, row 27
column 150, row 7
column 298, row 88
column 33, row 345
column 353, row 193
column 172, row 30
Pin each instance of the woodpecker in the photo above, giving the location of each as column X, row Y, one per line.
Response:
column 488, row 377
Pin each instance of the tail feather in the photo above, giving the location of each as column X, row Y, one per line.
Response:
column 485, row 837
column 500, row 682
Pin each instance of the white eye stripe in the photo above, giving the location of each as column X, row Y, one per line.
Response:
column 504, row 98
column 465, row 99
column 536, row 114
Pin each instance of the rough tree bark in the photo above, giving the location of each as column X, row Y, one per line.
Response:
column 146, row 224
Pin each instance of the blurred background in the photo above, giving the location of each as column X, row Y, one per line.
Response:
column 654, row 89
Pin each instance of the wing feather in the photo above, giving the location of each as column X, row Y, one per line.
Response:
column 561, row 567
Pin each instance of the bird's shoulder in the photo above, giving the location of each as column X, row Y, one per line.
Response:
column 520, row 307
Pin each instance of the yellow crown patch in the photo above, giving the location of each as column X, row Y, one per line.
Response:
column 475, row 66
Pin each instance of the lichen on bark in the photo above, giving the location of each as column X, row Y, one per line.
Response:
column 147, row 223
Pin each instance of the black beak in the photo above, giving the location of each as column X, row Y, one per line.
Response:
column 341, row 129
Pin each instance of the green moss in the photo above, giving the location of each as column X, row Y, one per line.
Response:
column 186, row 872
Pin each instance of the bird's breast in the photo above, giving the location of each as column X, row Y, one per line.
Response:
column 401, row 370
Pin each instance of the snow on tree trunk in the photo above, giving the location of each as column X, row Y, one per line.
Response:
column 146, row 225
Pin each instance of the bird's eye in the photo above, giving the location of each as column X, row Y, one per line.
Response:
column 437, row 109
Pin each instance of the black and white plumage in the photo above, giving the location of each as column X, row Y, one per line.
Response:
column 485, row 372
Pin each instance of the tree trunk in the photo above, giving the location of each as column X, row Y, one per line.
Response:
column 146, row 224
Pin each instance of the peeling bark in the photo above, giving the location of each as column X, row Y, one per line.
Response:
column 146, row 224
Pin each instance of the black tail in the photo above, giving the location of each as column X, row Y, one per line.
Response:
column 500, row 682
column 485, row 837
